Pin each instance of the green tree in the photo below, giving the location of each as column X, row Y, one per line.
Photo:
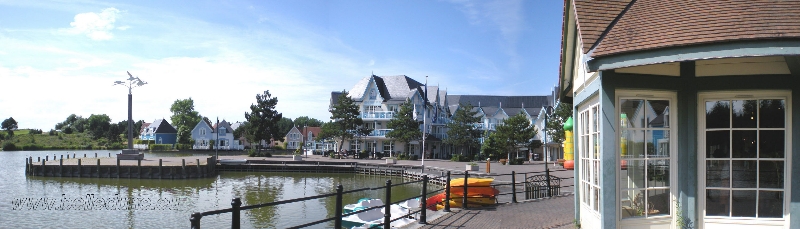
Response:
column 555, row 123
column 404, row 127
column 346, row 119
column 115, row 130
column 263, row 119
column 10, row 125
column 515, row 132
column 285, row 125
column 184, row 118
column 462, row 132
column 98, row 125
column 327, row 131
column 306, row 121
column 491, row 146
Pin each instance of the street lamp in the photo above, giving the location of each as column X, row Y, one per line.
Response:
column 548, row 112
column 132, row 83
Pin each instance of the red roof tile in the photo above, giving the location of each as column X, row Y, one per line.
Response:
column 653, row 24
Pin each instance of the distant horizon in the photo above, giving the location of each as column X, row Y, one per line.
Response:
column 221, row 54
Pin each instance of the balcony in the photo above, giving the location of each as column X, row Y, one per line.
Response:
column 379, row 133
column 377, row 115
column 481, row 126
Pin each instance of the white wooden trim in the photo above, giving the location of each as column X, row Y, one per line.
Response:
column 736, row 222
column 658, row 221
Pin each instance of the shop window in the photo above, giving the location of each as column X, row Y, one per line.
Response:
column 744, row 158
column 589, row 157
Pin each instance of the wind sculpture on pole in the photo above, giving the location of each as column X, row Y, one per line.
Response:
column 132, row 83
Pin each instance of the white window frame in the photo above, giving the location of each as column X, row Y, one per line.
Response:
column 666, row 220
column 584, row 149
column 702, row 219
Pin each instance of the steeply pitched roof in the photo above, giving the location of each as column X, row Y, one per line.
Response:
column 314, row 131
column 654, row 24
column 390, row 87
column 224, row 124
column 162, row 127
column 593, row 17
column 495, row 100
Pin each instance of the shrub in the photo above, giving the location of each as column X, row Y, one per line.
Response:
column 67, row 130
column 517, row 161
column 278, row 148
column 160, row 146
column 52, row 132
column 414, row 157
column 379, row 155
column 117, row 146
column 363, row 155
column 9, row 146
column 183, row 146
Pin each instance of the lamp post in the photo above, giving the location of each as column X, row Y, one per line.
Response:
column 132, row 83
column 548, row 112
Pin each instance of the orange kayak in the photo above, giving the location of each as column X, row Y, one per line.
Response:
column 471, row 182
column 434, row 200
column 481, row 191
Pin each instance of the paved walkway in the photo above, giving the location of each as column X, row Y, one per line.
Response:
column 556, row 212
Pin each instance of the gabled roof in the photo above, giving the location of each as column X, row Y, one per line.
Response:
column 655, row 24
column 162, row 127
column 225, row 124
column 314, row 131
column 593, row 17
column 390, row 87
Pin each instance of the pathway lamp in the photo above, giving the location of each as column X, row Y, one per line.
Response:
column 133, row 82
column 548, row 112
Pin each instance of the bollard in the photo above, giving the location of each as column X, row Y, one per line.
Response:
column 235, row 204
column 79, row 168
column 95, row 155
column 47, row 157
column 196, row 220
column 38, row 159
column 98, row 167
column 138, row 168
column 60, row 167
column 73, row 155
column 387, row 215
column 513, row 186
column 67, row 156
column 464, row 197
column 109, row 154
column 62, row 157
column 423, row 217
column 447, row 194
column 337, row 222
column 118, row 171
column 84, row 155
column 183, row 167
column 488, row 166
column 160, row 173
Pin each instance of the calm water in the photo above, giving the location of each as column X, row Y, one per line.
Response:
column 53, row 202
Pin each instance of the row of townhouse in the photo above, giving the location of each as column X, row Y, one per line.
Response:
column 379, row 98
column 221, row 134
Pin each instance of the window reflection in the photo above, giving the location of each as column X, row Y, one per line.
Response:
column 744, row 113
column 718, row 114
column 773, row 113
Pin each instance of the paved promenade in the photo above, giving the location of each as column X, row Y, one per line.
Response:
column 556, row 212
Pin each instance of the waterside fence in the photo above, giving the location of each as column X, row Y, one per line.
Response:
column 532, row 188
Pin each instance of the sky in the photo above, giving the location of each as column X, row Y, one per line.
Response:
column 62, row 57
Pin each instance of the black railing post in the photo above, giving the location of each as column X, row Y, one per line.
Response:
column 337, row 222
column 387, row 213
column 423, row 217
column 447, row 194
column 464, row 196
column 513, row 186
column 195, row 219
column 235, row 204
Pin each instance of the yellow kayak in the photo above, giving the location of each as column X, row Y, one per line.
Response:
column 476, row 182
column 456, row 202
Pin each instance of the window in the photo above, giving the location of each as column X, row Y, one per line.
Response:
column 645, row 155
column 589, row 154
column 388, row 147
column 355, row 145
column 202, row 131
column 744, row 155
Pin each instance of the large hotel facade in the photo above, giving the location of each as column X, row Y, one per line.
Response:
column 379, row 99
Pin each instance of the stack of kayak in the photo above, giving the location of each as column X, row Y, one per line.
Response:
column 374, row 218
column 479, row 193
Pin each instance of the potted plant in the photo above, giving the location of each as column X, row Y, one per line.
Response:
column 391, row 160
column 472, row 166
column 298, row 155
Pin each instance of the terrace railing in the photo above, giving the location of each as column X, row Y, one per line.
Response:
column 551, row 189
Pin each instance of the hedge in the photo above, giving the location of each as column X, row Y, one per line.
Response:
column 160, row 146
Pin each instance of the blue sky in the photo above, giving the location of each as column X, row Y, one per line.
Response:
column 58, row 58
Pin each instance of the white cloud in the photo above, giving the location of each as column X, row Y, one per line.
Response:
column 96, row 26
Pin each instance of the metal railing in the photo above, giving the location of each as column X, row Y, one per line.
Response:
column 378, row 115
column 236, row 206
column 236, row 203
column 379, row 132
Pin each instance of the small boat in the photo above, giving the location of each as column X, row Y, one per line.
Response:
column 232, row 161
column 374, row 218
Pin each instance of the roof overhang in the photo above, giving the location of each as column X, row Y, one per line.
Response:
column 568, row 46
column 696, row 52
